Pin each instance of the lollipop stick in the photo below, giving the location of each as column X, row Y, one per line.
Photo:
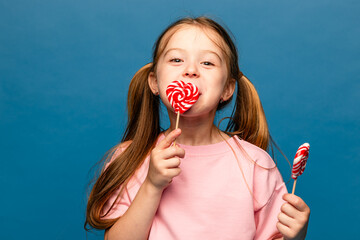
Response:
column 177, row 124
column 294, row 186
column 177, row 120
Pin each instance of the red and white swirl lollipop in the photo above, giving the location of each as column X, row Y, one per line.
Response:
column 299, row 163
column 182, row 95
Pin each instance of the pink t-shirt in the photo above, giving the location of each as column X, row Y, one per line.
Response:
column 210, row 198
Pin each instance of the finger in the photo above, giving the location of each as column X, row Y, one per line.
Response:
column 285, row 230
column 289, row 210
column 295, row 201
column 173, row 151
column 169, row 139
column 172, row 162
column 173, row 172
column 286, row 220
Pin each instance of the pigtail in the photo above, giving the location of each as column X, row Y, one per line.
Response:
column 248, row 118
column 142, row 130
column 143, row 110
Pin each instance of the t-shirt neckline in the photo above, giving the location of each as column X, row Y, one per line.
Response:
column 210, row 149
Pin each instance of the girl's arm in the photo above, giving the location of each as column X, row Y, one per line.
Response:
column 137, row 220
column 164, row 163
column 293, row 218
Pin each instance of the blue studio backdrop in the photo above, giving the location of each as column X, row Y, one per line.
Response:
column 65, row 67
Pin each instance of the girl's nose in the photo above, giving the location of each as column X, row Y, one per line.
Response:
column 191, row 72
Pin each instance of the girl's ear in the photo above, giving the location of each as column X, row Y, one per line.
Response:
column 153, row 83
column 228, row 90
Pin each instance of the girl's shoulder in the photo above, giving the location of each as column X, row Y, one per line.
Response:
column 117, row 150
column 257, row 154
column 122, row 146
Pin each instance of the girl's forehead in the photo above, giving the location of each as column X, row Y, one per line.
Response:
column 193, row 34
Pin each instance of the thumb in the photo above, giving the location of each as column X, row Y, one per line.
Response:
column 169, row 139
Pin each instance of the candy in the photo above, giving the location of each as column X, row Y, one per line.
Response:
column 182, row 95
column 300, row 160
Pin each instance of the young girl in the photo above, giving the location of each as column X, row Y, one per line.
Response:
column 210, row 184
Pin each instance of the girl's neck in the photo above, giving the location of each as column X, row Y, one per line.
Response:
column 196, row 130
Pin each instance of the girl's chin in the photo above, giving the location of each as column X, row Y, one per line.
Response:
column 196, row 113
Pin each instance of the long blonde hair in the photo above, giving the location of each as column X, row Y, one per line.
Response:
column 247, row 121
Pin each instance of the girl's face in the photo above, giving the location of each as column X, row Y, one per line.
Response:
column 191, row 56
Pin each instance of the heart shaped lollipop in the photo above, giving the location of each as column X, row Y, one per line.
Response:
column 182, row 95
column 300, row 160
column 299, row 164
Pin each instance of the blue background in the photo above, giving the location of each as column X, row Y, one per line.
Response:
column 65, row 67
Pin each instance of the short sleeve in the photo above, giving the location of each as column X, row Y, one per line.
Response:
column 269, row 188
column 124, row 201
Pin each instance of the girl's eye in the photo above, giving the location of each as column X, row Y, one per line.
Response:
column 208, row 64
column 177, row 60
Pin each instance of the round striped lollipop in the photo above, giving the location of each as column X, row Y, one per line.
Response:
column 300, row 160
column 182, row 95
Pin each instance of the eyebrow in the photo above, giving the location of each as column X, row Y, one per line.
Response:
column 183, row 50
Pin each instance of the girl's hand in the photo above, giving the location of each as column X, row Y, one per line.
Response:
column 165, row 161
column 293, row 218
